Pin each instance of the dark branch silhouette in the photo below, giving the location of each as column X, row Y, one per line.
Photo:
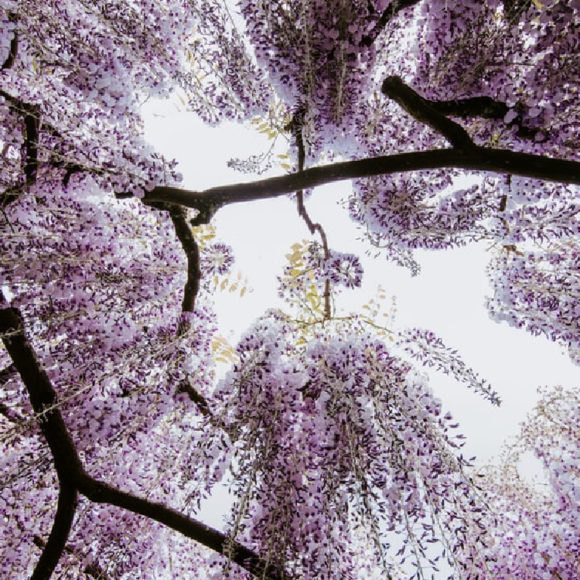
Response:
column 391, row 10
column 73, row 478
column 66, row 461
column 31, row 117
column 421, row 109
column 295, row 127
column 191, row 249
column 103, row 493
column 484, row 107
column 488, row 108
column 464, row 155
column 475, row 158
column 13, row 52
column 63, row 519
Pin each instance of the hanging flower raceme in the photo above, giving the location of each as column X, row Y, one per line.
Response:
column 536, row 533
column 303, row 279
column 314, row 54
column 538, row 290
column 338, row 436
column 99, row 284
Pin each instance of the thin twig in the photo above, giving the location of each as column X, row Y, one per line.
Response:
column 295, row 126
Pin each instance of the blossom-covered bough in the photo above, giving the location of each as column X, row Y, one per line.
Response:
column 458, row 122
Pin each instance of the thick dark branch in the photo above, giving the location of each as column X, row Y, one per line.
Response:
column 13, row 52
column 421, row 109
column 42, row 395
column 191, row 249
column 72, row 476
column 476, row 159
column 213, row 539
column 66, row 460
column 32, row 124
column 487, row 108
column 484, row 107
column 393, row 8
column 52, row 551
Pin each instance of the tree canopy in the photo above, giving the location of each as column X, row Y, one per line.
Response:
column 457, row 122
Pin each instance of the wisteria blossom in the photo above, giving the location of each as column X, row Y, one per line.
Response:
column 345, row 437
column 457, row 123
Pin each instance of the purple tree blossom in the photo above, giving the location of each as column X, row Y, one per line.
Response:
column 457, row 122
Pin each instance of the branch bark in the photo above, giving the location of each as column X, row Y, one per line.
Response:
column 421, row 109
column 475, row 158
column 426, row 110
column 295, row 126
column 191, row 249
column 484, row 107
column 103, row 493
column 61, row 527
column 73, row 478
column 391, row 10
column 43, row 399
column 13, row 51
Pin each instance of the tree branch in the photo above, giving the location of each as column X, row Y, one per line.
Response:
column 484, row 107
column 52, row 551
column 191, row 249
column 487, row 108
column 66, row 461
column 13, row 51
column 391, row 10
column 213, row 539
column 295, row 126
column 42, row 395
column 476, row 158
column 421, row 109
column 73, row 478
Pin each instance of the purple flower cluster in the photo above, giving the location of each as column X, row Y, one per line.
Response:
column 99, row 282
column 426, row 347
column 335, row 436
column 536, row 533
column 217, row 259
column 343, row 463
column 314, row 55
column 538, row 290
column 343, row 270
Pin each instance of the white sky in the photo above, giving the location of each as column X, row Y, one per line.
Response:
column 447, row 297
